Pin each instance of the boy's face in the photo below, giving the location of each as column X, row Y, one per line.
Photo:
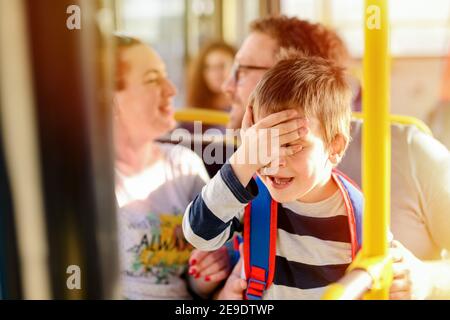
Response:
column 302, row 176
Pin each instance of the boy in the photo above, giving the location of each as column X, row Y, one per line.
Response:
column 300, row 115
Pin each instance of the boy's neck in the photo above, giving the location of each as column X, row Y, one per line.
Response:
column 321, row 191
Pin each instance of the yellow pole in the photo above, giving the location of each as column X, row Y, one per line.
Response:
column 376, row 135
column 229, row 20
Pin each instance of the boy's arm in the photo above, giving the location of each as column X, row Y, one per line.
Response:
column 215, row 214
column 211, row 219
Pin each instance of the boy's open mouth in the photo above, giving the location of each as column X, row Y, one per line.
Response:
column 280, row 182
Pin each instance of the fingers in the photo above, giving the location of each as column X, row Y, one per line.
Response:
column 401, row 290
column 271, row 169
column 299, row 125
column 287, row 131
column 277, row 118
column 275, row 165
column 217, row 271
column 208, row 260
column 400, row 270
column 196, row 256
column 239, row 285
column 289, row 137
column 247, row 121
column 290, row 150
column 401, row 285
column 233, row 289
column 237, row 288
column 216, row 266
column 396, row 254
column 400, row 295
column 218, row 276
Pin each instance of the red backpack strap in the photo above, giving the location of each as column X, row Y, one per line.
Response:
column 346, row 177
column 260, row 232
column 353, row 200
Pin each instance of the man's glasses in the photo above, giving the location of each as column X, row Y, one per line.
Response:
column 237, row 68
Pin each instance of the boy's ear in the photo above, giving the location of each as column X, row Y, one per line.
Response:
column 337, row 149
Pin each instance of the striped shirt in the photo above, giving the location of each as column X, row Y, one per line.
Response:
column 313, row 239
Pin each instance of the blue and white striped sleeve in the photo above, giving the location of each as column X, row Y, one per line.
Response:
column 211, row 219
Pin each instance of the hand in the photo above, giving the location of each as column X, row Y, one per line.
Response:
column 235, row 286
column 266, row 140
column 210, row 266
column 410, row 279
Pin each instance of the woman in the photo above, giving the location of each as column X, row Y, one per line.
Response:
column 209, row 71
column 154, row 184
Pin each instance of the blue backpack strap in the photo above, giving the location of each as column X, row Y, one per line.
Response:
column 355, row 205
column 233, row 249
column 260, row 227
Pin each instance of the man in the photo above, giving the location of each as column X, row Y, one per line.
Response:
column 420, row 192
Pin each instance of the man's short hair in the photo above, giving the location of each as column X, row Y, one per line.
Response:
column 310, row 38
column 314, row 85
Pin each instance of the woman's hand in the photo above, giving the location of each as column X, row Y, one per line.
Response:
column 410, row 278
column 211, row 266
column 207, row 270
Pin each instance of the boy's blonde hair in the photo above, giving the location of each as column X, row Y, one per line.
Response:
column 315, row 85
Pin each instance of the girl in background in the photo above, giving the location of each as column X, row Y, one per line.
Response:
column 207, row 74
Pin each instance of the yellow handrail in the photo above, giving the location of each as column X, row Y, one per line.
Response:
column 206, row 116
column 401, row 119
column 222, row 118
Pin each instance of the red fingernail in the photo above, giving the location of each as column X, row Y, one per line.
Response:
column 193, row 262
column 207, row 278
column 197, row 276
column 191, row 271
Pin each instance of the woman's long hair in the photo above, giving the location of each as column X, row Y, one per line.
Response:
column 122, row 41
column 198, row 93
